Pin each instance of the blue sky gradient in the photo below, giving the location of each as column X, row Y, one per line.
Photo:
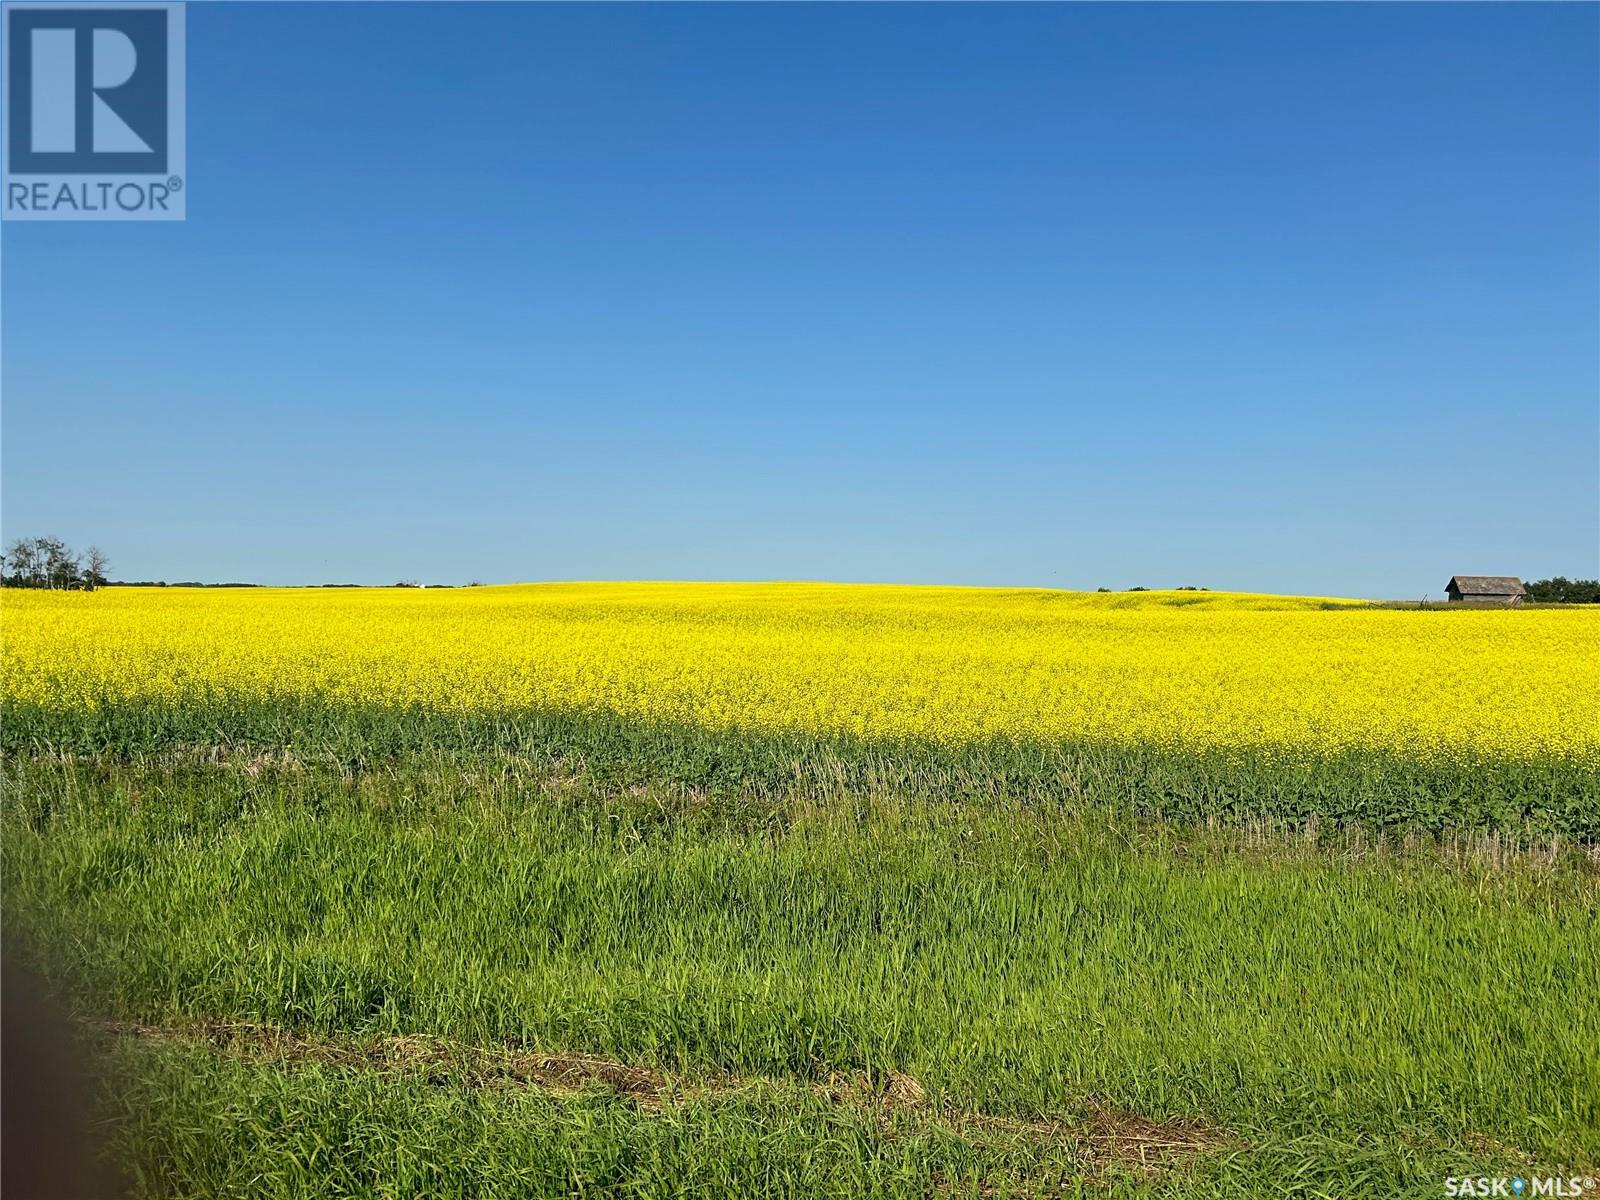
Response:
column 1298, row 298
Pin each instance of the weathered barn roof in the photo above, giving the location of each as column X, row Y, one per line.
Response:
column 1486, row 585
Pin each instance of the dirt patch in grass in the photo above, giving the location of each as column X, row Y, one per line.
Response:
column 1103, row 1138
column 1133, row 1140
column 470, row 1066
column 1108, row 1138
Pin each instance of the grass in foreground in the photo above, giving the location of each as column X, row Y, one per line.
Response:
column 1343, row 1016
column 1526, row 799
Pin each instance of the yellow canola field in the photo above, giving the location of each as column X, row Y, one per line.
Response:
column 948, row 664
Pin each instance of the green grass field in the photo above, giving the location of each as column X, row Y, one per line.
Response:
column 1528, row 801
column 472, row 973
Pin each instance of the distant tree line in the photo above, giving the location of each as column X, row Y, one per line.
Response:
column 186, row 583
column 1562, row 590
column 48, row 562
column 1188, row 587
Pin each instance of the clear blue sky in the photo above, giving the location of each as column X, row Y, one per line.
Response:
column 1294, row 298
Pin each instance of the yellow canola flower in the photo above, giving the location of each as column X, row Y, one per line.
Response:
column 947, row 664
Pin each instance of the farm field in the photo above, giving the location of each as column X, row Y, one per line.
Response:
column 794, row 889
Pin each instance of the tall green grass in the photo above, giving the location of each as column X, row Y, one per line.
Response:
column 1393, row 1007
column 190, row 1126
column 1529, row 798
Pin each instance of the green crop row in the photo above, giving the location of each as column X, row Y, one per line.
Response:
column 1530, row 798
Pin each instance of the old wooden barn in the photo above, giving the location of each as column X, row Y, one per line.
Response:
column 1485, row 589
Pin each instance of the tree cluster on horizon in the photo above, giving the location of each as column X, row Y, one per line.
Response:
column 48, row 562
column 1561, row 590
